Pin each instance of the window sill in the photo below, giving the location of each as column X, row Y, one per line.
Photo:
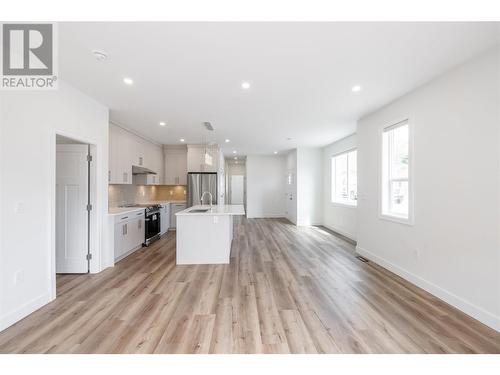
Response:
column 397, row 219
column 346, row 205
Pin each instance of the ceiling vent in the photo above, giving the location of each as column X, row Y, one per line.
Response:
column 208, row 126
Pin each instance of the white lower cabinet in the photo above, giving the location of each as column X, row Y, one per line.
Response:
column 129, row 234
column 174, row 208
column 164, row 218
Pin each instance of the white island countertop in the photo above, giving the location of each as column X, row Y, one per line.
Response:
column 205, row 237
column 221, row 209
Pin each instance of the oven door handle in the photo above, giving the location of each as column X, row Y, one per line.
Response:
column 147, row 219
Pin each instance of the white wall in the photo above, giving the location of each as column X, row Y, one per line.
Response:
column 339, row 218
column 309, row 186
column 453, row 248
column 291, row 189
column 265, row 186
column 29, row 122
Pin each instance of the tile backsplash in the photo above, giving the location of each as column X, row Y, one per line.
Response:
column 126, row 194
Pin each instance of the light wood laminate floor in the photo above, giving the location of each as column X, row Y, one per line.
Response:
column 286, row 290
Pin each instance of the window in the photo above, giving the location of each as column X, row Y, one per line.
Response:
column 344, row 178
column 396, row 159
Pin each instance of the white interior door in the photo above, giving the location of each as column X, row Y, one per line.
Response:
column 72, row 191
column 237, row 186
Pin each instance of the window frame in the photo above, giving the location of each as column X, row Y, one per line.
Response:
column 385, row 191
column 332, row 185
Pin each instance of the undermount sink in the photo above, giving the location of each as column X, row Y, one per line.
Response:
column 198, row 210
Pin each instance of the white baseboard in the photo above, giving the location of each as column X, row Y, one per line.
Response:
column 351, row 236
column 29, row 307
column 470, row 309
column 271, row 216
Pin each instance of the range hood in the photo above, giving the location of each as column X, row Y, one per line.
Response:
column 141, row 170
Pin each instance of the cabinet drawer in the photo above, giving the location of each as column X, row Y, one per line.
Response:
column 128, row 216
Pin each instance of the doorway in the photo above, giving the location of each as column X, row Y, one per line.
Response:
column 237, row 189
column 74, row 195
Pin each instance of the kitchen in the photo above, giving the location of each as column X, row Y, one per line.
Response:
column 149, row 184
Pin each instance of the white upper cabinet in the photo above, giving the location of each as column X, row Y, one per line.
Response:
column 120, row 167
column 175, row 165
column 127, row 149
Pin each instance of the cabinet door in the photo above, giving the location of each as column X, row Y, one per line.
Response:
column 114, row 170
column 141, row 231
column 141, row 157
column 170, row 169
column 124, row 162
column 136, row 233
column 118, row 237
column 122, row 238
column 157, row 163
column 181, row 169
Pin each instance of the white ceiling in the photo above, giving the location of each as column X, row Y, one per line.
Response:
column 301, row 75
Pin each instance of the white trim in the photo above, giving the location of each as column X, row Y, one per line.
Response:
column 409, row 119
column 350, row 236
column 97, row 225
column 467, row 307
column 346, row 152
column 266, row 216
column 26, row 309
column 396, row 219
column 344, row 205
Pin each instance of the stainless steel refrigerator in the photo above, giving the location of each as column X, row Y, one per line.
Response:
column 198, row 183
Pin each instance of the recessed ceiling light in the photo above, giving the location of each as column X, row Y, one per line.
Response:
column 162, row 123
column 234, row 152
column 100, row 55
column 227, row 140
column 245, row 85
column 275, row 152
column 128, row 81
column 356, row 88
column 182, row 140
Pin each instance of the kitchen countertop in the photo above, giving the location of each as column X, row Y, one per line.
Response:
column 126, row 210
column 167, row 201
column 224, row 209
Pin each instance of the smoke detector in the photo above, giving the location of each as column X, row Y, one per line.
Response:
column 99, row 55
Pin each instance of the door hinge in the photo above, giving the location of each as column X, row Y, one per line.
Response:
column 89, row 157
column 89, row 256
column 89, row 207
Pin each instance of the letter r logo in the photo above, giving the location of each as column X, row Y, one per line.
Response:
column 27, row 49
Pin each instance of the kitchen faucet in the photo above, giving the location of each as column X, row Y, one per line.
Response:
column 209, row 193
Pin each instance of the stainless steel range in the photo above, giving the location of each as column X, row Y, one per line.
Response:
column 153, row 222
column 153, row 225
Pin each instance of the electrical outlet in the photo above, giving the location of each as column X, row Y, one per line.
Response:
column 19, row 277
column 171, row 192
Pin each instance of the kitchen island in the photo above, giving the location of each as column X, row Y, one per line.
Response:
column 204, row 234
